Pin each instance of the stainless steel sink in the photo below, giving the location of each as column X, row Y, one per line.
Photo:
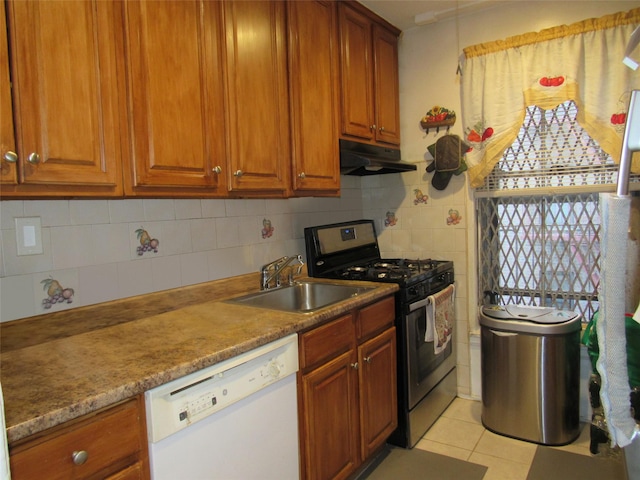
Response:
column 302, row 297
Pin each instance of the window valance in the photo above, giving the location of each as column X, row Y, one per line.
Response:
column 580, row 62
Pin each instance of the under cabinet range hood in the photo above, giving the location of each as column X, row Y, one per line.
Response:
column 364, row 159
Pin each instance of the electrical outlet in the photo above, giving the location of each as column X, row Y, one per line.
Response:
column 29, row 236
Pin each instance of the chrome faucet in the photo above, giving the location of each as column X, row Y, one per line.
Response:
column 273, row 270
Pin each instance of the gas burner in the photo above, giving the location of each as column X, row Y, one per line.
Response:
column 355, row 272
column 426, row 264
column 385, row 264
column 391, row 272
column 357, row 269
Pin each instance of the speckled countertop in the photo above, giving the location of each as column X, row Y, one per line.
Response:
column 59, row 366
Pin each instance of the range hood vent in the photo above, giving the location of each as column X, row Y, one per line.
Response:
column 364, row 159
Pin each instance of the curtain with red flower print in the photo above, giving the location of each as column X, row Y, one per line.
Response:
column 580, row 62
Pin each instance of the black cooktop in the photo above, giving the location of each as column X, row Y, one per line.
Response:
column 350, row 251
column 398, row 270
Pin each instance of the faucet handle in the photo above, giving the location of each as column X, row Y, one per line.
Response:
column 298, row 269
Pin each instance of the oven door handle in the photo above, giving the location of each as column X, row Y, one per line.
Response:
column 419, row 304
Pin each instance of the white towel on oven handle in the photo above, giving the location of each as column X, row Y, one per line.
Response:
column 430, row 330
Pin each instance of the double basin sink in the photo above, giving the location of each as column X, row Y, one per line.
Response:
column 301, row 297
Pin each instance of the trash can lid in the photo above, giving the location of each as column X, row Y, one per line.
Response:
column 530, row 319
column 530, row 313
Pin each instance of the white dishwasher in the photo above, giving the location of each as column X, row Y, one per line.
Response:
column 237, row 419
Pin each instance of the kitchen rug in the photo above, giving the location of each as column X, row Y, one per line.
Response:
column 553, row 464
column 416, row 464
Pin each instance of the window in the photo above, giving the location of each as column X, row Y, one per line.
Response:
column 538, row 216
column 541, row 250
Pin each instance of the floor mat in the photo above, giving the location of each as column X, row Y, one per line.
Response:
column 416, row 464
column 552, row 464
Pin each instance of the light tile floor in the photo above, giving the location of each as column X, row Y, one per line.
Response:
column 459, row 433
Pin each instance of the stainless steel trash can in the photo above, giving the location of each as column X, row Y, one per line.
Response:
column 531, row 373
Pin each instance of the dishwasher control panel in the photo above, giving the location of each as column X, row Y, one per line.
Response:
column 182, row 402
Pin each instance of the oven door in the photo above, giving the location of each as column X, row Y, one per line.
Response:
column 425, row 369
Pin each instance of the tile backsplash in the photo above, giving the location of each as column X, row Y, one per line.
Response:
column 100, row 250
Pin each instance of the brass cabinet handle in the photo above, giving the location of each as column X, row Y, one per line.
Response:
column 372, row 127
column 302, row 175
column 33, row 158
column 381, row 129
column 79, row 457
column 11, row 157
column 217, row 169
column 237, row 173
column 354, row 366
column 367, row 359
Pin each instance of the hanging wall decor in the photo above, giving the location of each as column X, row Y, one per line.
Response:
column 438, row 117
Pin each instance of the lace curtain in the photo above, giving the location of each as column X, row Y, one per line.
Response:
column 580, row 62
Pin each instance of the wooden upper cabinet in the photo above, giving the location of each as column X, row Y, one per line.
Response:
column 176, row 98
column 313, row 82
column 356, row 70
column 8, row 155
column 369, row 76
column 257, row 98
column 65, row 97
column 386, row 85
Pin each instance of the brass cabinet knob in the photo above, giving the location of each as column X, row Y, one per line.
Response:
column 237, row 173
column 302, row 175
column 33, row 158
column 217, row 169
column 79, row 457
column 354, row 366
column 11, row 157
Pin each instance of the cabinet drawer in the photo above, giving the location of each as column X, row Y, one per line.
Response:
column 375, row 318
column 327, row 341
column 112, row 440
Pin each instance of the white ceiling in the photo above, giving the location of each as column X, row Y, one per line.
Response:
column 406, row 14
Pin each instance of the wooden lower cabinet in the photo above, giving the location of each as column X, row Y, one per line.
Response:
column 114, row 441
column 377, row 387
column 347, row 397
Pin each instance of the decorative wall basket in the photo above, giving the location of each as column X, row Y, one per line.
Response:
column 438, row 117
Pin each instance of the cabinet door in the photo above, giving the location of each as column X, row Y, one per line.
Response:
column 257, row 97
column 387, row 93
column 330, row 421
column 65, row 62
column 356, row 72
column 313, row 74
column 7, row 143
column 176, row 98
column 134, row 472
column 378, row 398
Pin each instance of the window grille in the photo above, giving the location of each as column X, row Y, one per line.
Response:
column 541, row 250
column 552, row 150
column 538, row 217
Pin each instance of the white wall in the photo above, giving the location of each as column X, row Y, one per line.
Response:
column 428, row 64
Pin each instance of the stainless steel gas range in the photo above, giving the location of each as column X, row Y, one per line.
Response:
column 426, row 380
